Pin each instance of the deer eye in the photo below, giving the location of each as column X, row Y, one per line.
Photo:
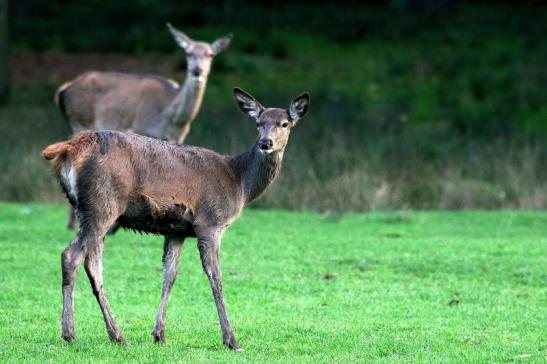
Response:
column 257, row 124
column 285, row 124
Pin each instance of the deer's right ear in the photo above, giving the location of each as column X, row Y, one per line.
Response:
column 182, row 39
column 247, row 103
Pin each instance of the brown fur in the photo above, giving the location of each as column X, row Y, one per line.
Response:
column 177, row 191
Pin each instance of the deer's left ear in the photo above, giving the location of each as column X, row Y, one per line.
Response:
column 299, row 107
column 222, row 43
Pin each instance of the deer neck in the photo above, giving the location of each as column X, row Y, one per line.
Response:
column 184, row 108
column 257, row 171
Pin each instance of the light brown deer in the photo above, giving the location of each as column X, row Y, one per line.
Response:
column 144, row 104
column 177, row 191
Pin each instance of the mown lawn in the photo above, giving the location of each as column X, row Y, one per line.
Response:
column 300, row 287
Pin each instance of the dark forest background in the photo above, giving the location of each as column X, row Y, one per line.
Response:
column 415, row 104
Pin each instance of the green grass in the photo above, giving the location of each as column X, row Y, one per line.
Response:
column 404, row 287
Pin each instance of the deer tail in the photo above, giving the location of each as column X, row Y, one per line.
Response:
column 72, row 147
column 55, row 150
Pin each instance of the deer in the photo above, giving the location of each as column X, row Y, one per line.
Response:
column 177, row 191
column 150, row 105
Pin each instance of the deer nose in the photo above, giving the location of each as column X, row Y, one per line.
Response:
column 196, row 72
column 265, row 144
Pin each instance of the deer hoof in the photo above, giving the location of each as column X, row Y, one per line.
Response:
column 233, row 345
column 119, row 339
column 68, row 337
column 159, row 337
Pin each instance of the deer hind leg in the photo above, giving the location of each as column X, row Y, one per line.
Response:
column 209, row 250
column 96, row 216
column 70, row 261
column 171, row 254
column 87, row 244
column 71, row 224
column 94, row 268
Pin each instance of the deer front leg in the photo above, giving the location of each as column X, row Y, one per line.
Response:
column 94, row 268
column 209, row 249
column 171, row 254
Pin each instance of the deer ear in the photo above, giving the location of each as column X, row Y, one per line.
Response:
column 299, row 107
column 182, row 39
column 222, row 43
column 247, row 103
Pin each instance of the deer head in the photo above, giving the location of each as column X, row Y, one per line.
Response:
column 274, row 125
column 199, row 55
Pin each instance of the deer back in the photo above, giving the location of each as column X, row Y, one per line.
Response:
column 117, row 101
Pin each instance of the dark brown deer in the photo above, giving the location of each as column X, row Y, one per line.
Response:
column 177, row 191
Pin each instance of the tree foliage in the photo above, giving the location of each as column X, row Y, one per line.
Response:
column 5, row 71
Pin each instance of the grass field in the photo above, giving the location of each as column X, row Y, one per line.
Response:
column 300, row 287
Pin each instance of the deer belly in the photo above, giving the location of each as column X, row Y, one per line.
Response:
column 143, row 216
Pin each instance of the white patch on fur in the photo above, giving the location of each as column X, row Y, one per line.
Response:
column 199, row 79
column 63, row 87
column 68, row 174
column 173, row 83
column 254, row 113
